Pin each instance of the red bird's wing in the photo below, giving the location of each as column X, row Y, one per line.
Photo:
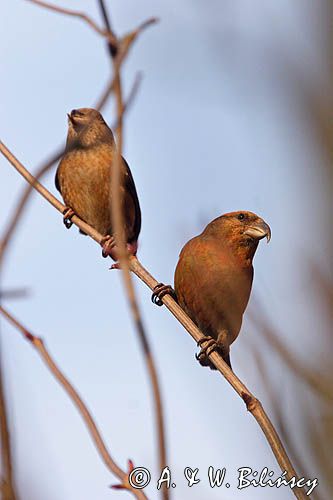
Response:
column 212, row 287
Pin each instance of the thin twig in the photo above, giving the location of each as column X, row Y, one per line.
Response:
column 252, row 403
column 13, row 293
column 116, row 53
column 130, row 98
column 7, row 486
column 80, row 15
column 39, row 345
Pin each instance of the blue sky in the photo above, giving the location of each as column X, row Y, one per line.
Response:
column 219, row 124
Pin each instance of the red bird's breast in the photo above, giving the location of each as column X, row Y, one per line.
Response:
column 213, row 286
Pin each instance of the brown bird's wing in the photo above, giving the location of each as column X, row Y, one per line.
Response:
column 131, row 189
column 56, row 181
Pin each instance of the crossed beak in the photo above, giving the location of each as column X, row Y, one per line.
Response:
column 259, row 230
column 71, row 116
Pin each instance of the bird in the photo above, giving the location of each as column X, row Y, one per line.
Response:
column 83, row 178
column 213, row 279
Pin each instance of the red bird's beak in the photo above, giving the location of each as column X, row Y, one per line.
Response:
column 259, row 230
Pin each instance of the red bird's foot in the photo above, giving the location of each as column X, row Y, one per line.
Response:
column 206, row 350
column 68, row 214
column 107, row 243
column 159, row 291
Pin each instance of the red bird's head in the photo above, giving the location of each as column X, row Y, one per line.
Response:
column 239, row 230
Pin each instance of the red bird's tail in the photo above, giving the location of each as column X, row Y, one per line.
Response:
column 205, row 361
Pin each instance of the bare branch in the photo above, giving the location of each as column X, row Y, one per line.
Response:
column 39, row 345
column 117, row 53
column 7, row 486
column 252, row 403
column 14, row 293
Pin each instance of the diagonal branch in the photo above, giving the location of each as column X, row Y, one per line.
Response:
column 252, row 403
column 39, row 345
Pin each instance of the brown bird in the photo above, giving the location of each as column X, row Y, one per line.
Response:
column 213, row 279
column 84, row 180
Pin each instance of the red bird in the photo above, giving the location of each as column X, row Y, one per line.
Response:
column 213, row 279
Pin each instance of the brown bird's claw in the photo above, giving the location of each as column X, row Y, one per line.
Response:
column 159, row 291
column 68, row 214
column 207, row 349
column 116, row 265
column 107, row 243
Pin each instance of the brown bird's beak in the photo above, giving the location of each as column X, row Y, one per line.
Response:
column 259, row 230
column 71, row 116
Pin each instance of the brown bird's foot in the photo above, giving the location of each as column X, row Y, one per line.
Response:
column 132, row 248
column 206, row 350
column 68, row 214
column 159, row 291
column 108, row 243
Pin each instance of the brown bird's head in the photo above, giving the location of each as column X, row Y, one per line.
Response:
column 86, row 127
column 241, row 230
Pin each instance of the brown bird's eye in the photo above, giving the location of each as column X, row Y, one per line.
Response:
column 76, row 112
column 241, row 217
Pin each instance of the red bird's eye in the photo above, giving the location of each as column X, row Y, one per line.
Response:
column 241, row 217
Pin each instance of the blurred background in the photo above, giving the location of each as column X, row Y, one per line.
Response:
column 234, row 112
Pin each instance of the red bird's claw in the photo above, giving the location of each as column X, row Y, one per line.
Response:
column 207, row 349
column 107, row 244
column 159, row 291
column 211, row 348
column 68, row 214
